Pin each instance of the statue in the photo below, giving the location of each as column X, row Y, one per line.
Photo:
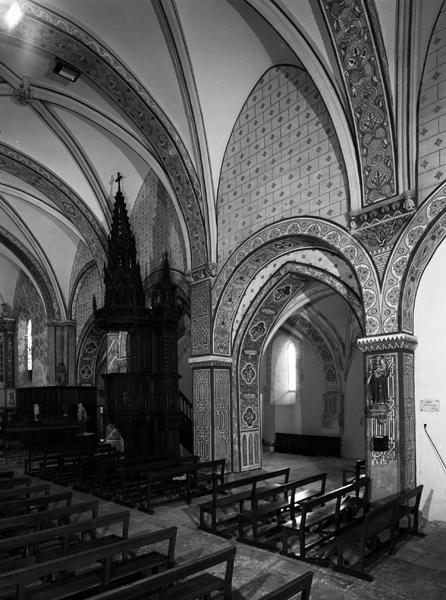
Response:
column 377, row 380
column 81, row 418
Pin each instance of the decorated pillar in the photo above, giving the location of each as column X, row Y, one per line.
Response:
column 390, row 412
column 61, row 352
column 211, row 375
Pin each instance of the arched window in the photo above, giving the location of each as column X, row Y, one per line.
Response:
column 29, row 349
column 291, row 358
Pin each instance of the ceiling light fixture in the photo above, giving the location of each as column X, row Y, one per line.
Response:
column 13, row 15
column 65, row 70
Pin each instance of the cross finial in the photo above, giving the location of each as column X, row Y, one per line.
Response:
column 118, row 181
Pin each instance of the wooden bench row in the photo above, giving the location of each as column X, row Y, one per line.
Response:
column 378, row 533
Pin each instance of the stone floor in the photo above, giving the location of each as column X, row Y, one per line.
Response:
column 417, row 571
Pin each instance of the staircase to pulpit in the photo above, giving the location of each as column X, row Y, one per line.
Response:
column 142, row 400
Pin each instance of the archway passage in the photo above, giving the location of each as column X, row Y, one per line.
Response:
column 298, row 373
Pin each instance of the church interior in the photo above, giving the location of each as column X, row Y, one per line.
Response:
column 222, row 264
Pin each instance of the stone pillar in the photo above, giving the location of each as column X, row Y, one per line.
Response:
column 390, row 411
column 62, row 349
column 211, row 377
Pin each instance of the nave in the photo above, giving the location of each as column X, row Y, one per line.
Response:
column 418, row 570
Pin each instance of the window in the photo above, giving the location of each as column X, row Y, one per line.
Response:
column 29, row 349
column 291, row 358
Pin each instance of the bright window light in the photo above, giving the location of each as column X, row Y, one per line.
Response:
column 13, row 15
column 29, row 346
column 291, row 351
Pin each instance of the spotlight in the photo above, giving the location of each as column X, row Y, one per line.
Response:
column 65, row 70
column 13, row 15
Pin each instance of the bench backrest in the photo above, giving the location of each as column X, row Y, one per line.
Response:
column 146, row 585
column 66, row 532
column 11, row 482
column 24, row 505
column 253, row 480
column 31, row 574
column 289, row 489
column 57, row 515
column 337, row 496
column 6, row 474
column 12, row 493
column 300, row 585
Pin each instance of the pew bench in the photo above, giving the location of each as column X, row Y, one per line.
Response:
column 300, row 586
column 272, row 504
column 322, row 518
column 14, row 493
column 6, row 474
column 378, row 534
column 51, row 543
column 11, row 482
column 90, row 570
column 206, row 474
column 187, row 581
column 231, row 496
column 33, row 503
column 34, row 521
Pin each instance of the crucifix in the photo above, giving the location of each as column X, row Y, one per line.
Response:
column 118, row 181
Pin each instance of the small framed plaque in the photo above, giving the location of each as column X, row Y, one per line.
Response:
column 430, row 405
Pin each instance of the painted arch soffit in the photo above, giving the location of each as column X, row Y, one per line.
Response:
column 59, row 36
column 360, row 56
column 416, row 245
column 37, row 272
column 67, row 201
column 239, row 270
column 290, row 263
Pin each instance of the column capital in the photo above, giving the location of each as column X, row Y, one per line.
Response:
column 206, row 271
column 61, row 323
column 391, row 341
column 210, row 360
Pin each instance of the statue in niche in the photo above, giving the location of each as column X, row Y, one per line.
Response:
column 82, row 418
column 377, row 380
column 61, row 374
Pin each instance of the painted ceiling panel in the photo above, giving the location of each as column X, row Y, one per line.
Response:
column 57, row 241
column 137, row 40
column 24, row 131
column 108, row 155
column 387, row 14
column 228, row 57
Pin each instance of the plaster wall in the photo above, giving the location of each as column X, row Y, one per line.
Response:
column 430, row 364
column 353, row 442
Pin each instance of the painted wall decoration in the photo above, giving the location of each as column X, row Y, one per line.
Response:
column 28, row 305
column 60, row 37
column 88, row 354
column 237, row 274
column 283, row 159
column 156, row 227
column 362, row 65
column 248, row 349
column 202, row 413
column 409, row 446
column 389, row 426
column 38, row 273
column 222, row 414
column 200, row 318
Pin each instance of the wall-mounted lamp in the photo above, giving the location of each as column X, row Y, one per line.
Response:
column 65, row 70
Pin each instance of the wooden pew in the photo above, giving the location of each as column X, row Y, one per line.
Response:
column 26, row 505
column 184, row 582
column 9, row 494
column 324, row 517
column 234, row 494
column 299, row 586
column 11, row 482
column 51, row 543
column 378, row 534
column 206, row 474
column 90, row 570
column 273, row 503
column 35, row 521
column 6, row 474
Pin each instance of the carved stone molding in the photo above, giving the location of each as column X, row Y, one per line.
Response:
column 207, row 271
column 378, row 226
column 393, row 341
column 210, row 361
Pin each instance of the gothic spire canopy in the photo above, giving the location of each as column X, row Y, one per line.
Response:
column 124, row 303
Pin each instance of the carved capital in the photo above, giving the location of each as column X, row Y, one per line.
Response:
column 393, row 341
column 211, row 360
column 207, row 271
